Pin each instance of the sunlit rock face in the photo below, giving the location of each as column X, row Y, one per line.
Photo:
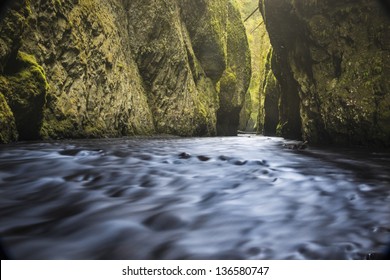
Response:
column 332, row 62
column 110, row 68
column 236, row 77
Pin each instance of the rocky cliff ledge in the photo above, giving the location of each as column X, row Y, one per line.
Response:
column 94, row 68
column 332, row 62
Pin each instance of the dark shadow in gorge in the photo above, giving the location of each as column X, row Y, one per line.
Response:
column 363, row 163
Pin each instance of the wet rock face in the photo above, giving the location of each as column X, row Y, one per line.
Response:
column 181, row 95
column 206, row 22
column 332, row 64
column 83, row 50
column 236, row 77
column 24, row 87
column 271, row 90
column 112, row 68
column 8, row 131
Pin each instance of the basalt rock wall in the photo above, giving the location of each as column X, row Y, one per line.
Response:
column 331, row 59
column 93, row 68
column 236, row 77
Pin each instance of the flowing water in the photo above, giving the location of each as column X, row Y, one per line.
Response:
column 243, row 197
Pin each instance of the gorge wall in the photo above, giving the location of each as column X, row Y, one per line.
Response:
column 94, row 68
column 331, row 60
column 252, row 113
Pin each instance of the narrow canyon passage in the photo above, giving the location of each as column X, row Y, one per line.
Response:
column 117, row 121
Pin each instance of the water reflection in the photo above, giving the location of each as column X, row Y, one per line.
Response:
column 199, row 198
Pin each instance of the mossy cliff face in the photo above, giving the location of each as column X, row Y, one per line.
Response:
column 22, row 80
column 206, row 22
column 24, row 87
column 8, row 131
column 236, row 78
column 181, row 95
column 83, row 49
column 332, row 62
column 252, row 113
column 270, row 95
column 112, row 68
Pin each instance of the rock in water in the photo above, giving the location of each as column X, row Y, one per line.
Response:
column 203, row 158
column 184, row 155
column 296, row 146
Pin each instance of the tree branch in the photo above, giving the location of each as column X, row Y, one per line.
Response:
column 257, row 27
column 251, row 14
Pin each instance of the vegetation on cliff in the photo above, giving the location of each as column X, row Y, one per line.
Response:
column 236, row 77
column 24, row 87
column 252, row 113
column 8, row 131
column 93, row 68
column 331, row 60
column 113, row 68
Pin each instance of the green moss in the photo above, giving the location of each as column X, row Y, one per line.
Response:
column 94, row 131
column 58, row 3
column 252, row 114
column 279, row 128
column 57, row 125
column 25, row 92
column 235, row 80
column 8, row 132
column 28, row 7
column 342, row 84
column 272, row 95
column 57, row 129
column 229, row 79
column 206, row 22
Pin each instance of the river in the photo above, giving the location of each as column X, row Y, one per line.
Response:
column 246, row 197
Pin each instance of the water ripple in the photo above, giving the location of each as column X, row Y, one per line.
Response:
column 192, row 198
